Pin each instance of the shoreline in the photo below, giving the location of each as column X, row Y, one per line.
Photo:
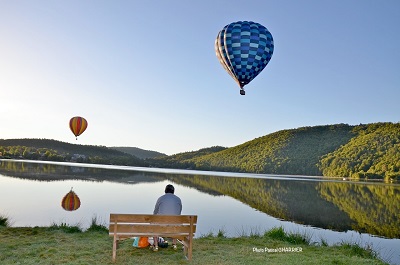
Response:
column 206, row 173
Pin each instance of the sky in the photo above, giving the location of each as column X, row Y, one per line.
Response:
column 145, row 74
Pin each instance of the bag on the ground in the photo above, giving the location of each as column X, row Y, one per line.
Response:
column 140, row 242
column 162, row 243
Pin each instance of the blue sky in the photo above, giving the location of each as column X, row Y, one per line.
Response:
column 145, row 74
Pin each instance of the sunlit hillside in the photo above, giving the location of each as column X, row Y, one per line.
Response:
column 340, row 150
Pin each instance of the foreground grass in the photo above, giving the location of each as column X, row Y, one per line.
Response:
column 59, row 244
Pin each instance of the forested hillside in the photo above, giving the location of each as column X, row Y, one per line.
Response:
column 341, row 150
column 294, row 151
column 52, row 150
column 373, row 152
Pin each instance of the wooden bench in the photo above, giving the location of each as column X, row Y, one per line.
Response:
column 181, row 227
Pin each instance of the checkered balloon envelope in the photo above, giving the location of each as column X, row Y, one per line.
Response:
column 244, row 49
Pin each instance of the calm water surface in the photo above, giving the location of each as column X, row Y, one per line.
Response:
column 236, row 203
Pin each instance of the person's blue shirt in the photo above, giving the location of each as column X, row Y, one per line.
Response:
column 168, row 204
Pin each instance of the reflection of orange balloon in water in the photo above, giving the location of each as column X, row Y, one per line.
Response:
column 71, row 201
column 78, row 125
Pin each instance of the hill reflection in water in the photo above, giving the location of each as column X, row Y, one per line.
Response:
column 338, row 206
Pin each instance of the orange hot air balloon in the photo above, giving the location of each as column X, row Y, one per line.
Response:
column 78, row 125
column 71, row 201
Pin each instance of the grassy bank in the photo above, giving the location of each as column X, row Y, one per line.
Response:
column 62, row 244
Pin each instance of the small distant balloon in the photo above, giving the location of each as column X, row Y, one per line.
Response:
column 71, row 201
column 78, row 125
column 244, row 49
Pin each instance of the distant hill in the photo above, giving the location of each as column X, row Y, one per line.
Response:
column 182, row 160
column 140, row 153
column 45, row 149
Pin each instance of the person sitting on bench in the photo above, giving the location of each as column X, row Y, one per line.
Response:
column 167, row 204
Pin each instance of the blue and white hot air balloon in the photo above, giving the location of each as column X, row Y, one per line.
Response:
column 244, row 48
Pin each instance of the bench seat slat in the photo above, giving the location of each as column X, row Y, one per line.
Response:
column 154, row 228
column 166, row 235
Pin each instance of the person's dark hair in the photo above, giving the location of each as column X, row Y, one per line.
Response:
column 169, row 189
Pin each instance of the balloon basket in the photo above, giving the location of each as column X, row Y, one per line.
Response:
column 242, row 92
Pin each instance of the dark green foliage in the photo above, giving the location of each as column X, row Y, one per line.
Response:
column 95, row 226
column 52, row 150
column 66, row 228
column 4, row 221
column 357, row 250
column 221, row 233
column 276, row 233
column 294, row 238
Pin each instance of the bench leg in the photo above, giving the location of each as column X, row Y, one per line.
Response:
column 186, row 248
column 115, row 245
column 190, row 248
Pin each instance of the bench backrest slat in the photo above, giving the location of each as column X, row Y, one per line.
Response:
column 140, row 218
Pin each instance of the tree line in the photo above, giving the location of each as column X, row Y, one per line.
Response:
column 52, row 150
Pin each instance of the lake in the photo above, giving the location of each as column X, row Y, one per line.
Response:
column 331, row 210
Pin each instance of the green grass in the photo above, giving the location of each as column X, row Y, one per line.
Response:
column 357, row 250
column 97, row 225
column 58, row 245
column 294, row 238
column 66, row 228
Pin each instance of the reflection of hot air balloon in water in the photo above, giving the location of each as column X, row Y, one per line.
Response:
column 78, row 125
column 244, row 48
column 71, row 201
